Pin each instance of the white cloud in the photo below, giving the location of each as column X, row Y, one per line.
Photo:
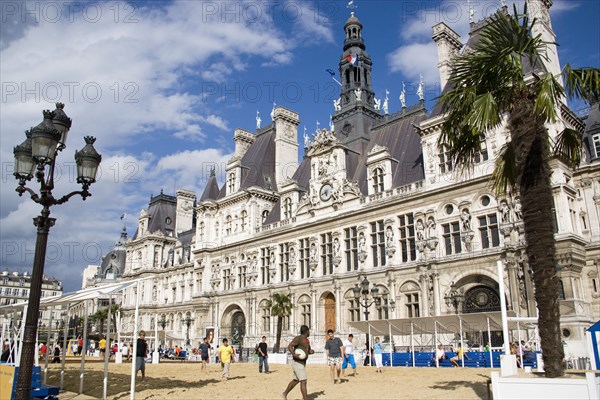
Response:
column 415, row 59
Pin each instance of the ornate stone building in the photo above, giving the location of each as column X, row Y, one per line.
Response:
column 373, row 198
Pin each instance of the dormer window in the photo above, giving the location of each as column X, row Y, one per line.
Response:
column 378, row 185
column 482, row 154
column 596, row 146
column 231, row 183
column 287, row 208
column 445, row 163
column 264, row 216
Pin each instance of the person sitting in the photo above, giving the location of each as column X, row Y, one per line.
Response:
column 459, row 355
column 440, row 354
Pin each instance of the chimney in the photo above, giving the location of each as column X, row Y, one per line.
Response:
column 243, row 140
column 286, row 144
column 448, row 44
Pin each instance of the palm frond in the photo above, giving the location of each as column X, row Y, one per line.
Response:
column 504, row 177
column 568, row 147
column 548, row 92
column 582, row 83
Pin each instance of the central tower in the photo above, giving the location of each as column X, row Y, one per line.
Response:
column 356, row 111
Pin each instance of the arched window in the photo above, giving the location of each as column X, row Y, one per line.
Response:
column 378, row 180
column 265, row 314
column 305, row 310
column 264, row 215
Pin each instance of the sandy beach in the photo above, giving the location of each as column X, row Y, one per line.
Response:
column 183, row 380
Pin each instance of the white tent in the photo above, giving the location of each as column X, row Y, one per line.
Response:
column 77, row 297
column 456, row 323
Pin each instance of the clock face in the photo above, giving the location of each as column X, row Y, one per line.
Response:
column 325, row 192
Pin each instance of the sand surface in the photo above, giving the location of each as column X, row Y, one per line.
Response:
column 183, row 380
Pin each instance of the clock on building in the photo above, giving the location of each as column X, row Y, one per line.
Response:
column 326, row 192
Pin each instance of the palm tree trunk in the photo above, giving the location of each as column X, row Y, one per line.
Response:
column 278, row 337
column 532, row 150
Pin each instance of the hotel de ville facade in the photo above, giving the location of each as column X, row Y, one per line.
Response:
column 375, row 198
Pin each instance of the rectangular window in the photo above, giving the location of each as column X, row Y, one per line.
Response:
column 488, row 231
column 596, row 145
column 305, row 312
column 412, row 305
column 227, row 279
column 354, row 310
column 482, row 154
column 378, row 243
column 327, row 254
column 264, row 265
column 351, row 248
column 284, row 262
column 304, row 257
column 407, row 237
column 452, row 238
column 445, row 161
column 241, row 277
column 266, row 320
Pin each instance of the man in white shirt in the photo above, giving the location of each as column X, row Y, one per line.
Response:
column 440, row 354
column 349, row 357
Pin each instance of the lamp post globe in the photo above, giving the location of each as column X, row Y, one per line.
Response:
column 38, row 152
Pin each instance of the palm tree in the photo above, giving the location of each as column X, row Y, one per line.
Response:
column 492, row 82
column 280, row 305
column 100, row 315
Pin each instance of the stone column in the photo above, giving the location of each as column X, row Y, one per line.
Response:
column 338, row 306
column 424, row 295
column 313, row 311
column 511, row 269
column 435, row 277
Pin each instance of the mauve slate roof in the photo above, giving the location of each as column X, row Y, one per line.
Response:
column 259, row 163
column 186, row 237
column 404, row 145
column 211, row 190
column 161, row 207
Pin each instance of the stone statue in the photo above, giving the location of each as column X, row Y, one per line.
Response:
column 306, row 139
column 358, row 94
column 258, row 120
column 403, row 96
column 336, row 104
column 505, row 212
column 386, row 102
column 421, row 88
column 313, row 252
column 273, row 112
column 377, row 104
column 389, row 235
column 336, row 247
column 431, row 227
column 465, row 218
column 420, row 230
column 362, row 242
column 518, row 210
column 331, row 126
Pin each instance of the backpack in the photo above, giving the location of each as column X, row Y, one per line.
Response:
column 256, row 350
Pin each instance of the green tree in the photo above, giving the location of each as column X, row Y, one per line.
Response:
column 492, row 82
column 101, row 315
column 280, row 306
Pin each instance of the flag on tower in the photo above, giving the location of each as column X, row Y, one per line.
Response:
column 352, row 59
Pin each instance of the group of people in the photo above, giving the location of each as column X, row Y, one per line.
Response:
column 43, row 352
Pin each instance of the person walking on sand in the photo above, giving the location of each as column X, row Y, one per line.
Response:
column 349, row 355
column 226, row 357
column 204, row 354
column 299, row 358
column 141, row 354
column 334, row 350
column 263, row 357
column 378, row 354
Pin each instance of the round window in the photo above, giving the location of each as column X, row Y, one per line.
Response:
column 449, row 209
column 485, row 201
column 168, row 221
column 566, row 333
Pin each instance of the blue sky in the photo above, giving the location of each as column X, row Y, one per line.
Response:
column 162, row 85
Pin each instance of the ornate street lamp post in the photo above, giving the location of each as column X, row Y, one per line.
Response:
column 454, row 298
column 366, row 297
column 188, row 321
column 163, row 324
column 38, row 152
